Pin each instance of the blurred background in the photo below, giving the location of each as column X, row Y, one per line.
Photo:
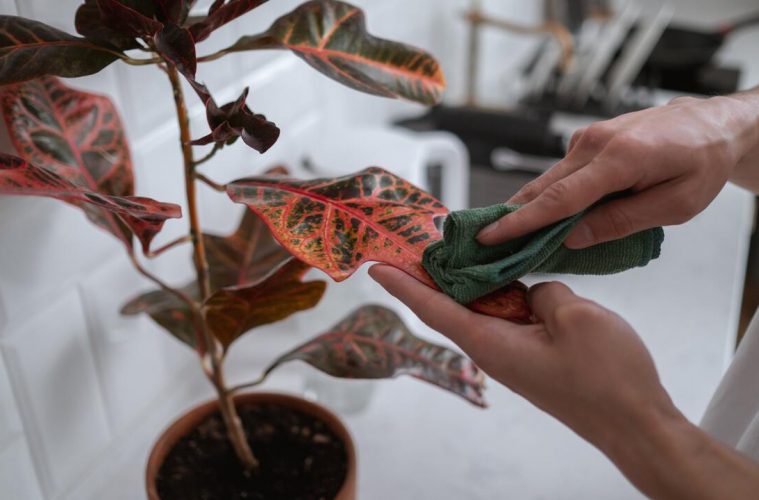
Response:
column 83, row 391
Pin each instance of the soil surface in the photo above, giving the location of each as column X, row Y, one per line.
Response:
column 301, row 459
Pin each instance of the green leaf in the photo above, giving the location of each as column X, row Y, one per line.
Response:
column 30, row 49
column 374, row 343
column 331, row 36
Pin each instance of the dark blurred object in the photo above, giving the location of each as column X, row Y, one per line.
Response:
column 483, row 131
column 682, row 47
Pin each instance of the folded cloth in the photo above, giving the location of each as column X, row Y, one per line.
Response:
column 466, row 270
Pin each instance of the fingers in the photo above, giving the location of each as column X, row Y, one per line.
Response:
column 625, row 216
column 545, row 298
column 475, row 333
column 560, row 200
column 436, row 309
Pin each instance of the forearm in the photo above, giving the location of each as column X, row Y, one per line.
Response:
column 746, row 173
column 667, row 457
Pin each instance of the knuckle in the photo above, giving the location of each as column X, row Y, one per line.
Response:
column 577, row 314
column 626, row 143
column 594, row 136
column 685, row 99
column 557, row 193
column 618, row 222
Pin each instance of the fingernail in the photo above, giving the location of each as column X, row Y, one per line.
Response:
column 489, row 230
column 580, row 237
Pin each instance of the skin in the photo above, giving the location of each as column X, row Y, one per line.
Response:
column 582, row 363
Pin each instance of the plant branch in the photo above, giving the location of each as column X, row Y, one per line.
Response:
column 247, row 385
column 207, row 157
column 213, row 185
column 197, row 315
column 159, row 251
column 138, row 62
column 215, row 354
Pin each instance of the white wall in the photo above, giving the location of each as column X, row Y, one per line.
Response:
column 75, row 377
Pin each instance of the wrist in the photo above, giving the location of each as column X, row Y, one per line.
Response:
column 744, row 109
column 653, row 449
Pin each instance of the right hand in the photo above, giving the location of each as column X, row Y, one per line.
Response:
column 673, row 160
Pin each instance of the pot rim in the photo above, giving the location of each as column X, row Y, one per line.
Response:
column 185, row 423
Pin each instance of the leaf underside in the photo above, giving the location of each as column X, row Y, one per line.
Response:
column 374, row 343
column 77, row 137
column 331, row 36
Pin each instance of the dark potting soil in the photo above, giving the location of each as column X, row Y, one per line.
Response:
column 301, row 459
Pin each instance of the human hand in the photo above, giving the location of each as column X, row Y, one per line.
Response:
column 673, row 160
column 587, row 367
column 582, row 363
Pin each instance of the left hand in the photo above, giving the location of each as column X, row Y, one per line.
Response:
column 582, row 363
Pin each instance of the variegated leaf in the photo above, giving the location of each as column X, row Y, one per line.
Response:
column 30, row 49
column 79, row 137
column 331, row 36
column 142, row 216
column 338, row 224
column 374, row 343
column 231, row 312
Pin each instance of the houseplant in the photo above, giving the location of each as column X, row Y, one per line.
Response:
column 71, row 146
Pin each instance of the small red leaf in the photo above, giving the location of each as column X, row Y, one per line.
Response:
column 374, row 343
column 235, row 120
column 178, row 47
column 220, row 14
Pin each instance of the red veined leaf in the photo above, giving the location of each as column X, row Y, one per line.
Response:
column 76, row 135
column 127, row 21
column 235, row 120
column 231, row 312
column 178, row 47
column 142, row 216
column 30, row 49
column 89, row 23
column 338, row 224
column 220, row 14
column 374, row 343
column 331, row 36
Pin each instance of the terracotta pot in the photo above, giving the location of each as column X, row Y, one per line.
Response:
column 186, row 423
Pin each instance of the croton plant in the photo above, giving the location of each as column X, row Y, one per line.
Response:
column 71, row 146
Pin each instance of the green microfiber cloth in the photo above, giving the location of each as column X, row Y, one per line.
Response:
column 466, row 270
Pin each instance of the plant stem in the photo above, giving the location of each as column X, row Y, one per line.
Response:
column 168, row 246
column 235, row 431
column 213, row 185
column 210, row 155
